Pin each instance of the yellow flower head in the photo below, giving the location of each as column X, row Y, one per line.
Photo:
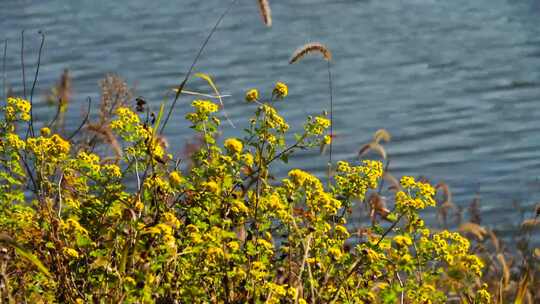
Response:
column 211, row 186
column 335, row 252
column 402, row 241
column 281, row 90
column 247, row 158
column 70, row 252
column 17, row 105
column 252, row 95
column 327, row 139
column 14, row 141
column 233, row 145
column 407, row 182
column 175, row 178
column 45, row 131
column 205, row 106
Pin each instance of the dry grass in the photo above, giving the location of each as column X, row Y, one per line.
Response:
column 314, row 47
column 372, row 146
column 266, row 13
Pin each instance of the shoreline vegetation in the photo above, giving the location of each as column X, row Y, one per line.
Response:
column 109, row 214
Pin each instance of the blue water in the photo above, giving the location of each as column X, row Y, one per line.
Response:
column 457, row 83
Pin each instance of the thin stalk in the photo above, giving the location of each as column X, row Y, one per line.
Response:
column 183, row 83
column 22, row 65
column 31, row 126
column 4, row 90
column 330, row 91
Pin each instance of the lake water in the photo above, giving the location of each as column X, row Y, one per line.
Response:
column 457, row 83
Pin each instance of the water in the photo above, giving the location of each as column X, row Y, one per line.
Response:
column 457, row 82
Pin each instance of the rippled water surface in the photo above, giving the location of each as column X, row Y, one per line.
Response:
column 457, row 83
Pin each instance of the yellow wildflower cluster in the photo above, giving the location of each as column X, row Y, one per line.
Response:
column 247, row 158
column 128, row 125
column 273, row 119
column 45, row 131
column 170, row 219
column 252, row 95
column 327, row 201
column 17, row 109
column 280, row 90
column 14, row 141
column 335, row 253
column 342, row 230
column 73, row 224
column 233, row 145
column 321, row 124
column 205, row 106
column 223, row 222
column 202, row 109
column 70, row 252
column 416, row 195
column 278, row 292
column 175, row 179
column 354, row 181
column 327, row 139
column 483, row 296
column 111, row 170
column 258, row 270
column 453, row 249
column 302, row 178
column 53, row 147
column 402, row 241
column 425, row 293
column 88, row 161
column 239, row 207
column 165, row 230
column 157, row 182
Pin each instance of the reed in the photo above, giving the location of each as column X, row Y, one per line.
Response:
column 313, row 47
column 266, row 13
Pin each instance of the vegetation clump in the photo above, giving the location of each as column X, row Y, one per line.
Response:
column 138, row 227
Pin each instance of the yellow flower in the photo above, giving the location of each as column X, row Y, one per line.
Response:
column 343, row 166
column 45, row 131
column 233, row 245
column 274, row 120
column 252, row 95
column 211, row 186
column 170, row 219
column 130, row 280
column 407, row 182
column 335, row 252
column 112, row 170
column 323, row 122
column 14, row 141
column 17, row 105
column 402, row 241
column 139, row 205
column 281, row 90
column 327, row 139
column 266, row 244
column 175, row 178
column 247, row 158
column 205, row 106
column 239, row 207
column 233, row 145
column 342, row 230
column 70, row 252
column 299, row 176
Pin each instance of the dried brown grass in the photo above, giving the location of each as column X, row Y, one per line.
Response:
column 372, row 146
column 115, row 93
column 266, row 13
column 313, row 47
